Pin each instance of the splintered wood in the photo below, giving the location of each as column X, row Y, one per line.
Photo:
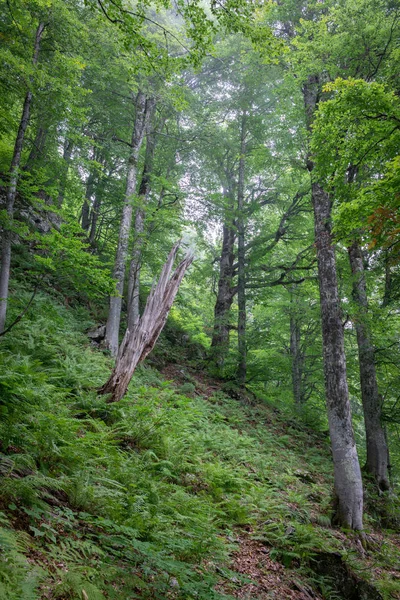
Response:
column 139, row 342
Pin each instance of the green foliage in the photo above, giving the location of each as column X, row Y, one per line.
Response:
column 132, row 499
column 18, row 578
column 358, row 126
column 78, row 270
column 138, row 499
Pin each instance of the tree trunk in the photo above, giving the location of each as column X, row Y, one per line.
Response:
column 134, row 271
column 99, row 191
column 241, row 287
column 297, row 361
column 94, row 217
column 137, row 344
column 226, row 293
column 86, row 203
column 144, row 193
column 348, row 482
column 67, row 153
column 114, row 315
column 377, row 449
column 12, row 189
column 38, row 145
column 387, row 297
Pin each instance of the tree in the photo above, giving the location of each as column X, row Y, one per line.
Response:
column 143, row 109
column 12, row 186
column 143, row 199
column 348, row 482
column 377, row 449
column 241, row 285
column 353, row 106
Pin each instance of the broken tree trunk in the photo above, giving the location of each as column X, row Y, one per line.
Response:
column 139, row 342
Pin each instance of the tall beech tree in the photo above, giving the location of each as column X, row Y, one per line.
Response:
column 143, row 108
column 139, row 226
column 226, row 292
column 241, row 285
column 352, row 96
column 365, row 53
column 348, row 481
column 377, row 449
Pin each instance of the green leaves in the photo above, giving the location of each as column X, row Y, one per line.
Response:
column 66, row 253
column 355, row 135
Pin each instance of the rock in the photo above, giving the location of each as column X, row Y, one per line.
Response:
column 343, row 579
column 98, row 334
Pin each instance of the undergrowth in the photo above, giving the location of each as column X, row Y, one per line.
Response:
column 139, row 499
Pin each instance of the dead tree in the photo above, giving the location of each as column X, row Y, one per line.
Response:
column 139, row 342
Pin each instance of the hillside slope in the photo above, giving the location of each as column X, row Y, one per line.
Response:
column 178, row 491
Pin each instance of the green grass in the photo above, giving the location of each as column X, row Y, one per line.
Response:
column 139, row 499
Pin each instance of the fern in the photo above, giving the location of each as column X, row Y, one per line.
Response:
column 18, row 581
column 135, row 499
column 73, row 586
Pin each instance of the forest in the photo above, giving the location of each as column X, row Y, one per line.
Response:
column 199, row 299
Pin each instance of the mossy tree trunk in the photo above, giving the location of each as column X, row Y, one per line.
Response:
column 347, row 472
column 377, row 449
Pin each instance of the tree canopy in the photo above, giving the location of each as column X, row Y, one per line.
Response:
column 257, row 144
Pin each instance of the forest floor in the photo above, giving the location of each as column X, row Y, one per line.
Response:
column 268, row 578
column 264, row 578
column 178, row 491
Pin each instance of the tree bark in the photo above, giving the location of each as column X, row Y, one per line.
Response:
column 348, row 482
column 387, row 297
column 225, row 295
column 12, row 188
column 297, row 361
column 377, row 449
column 98, row 194
column 86, row 203
column 114, row 315
column 94, row 217
column 38, row 145
column 67, row 153
column 137, row 344
column 241, row 287
column 144, row 193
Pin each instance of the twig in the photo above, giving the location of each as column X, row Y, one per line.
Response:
column 22, row 314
